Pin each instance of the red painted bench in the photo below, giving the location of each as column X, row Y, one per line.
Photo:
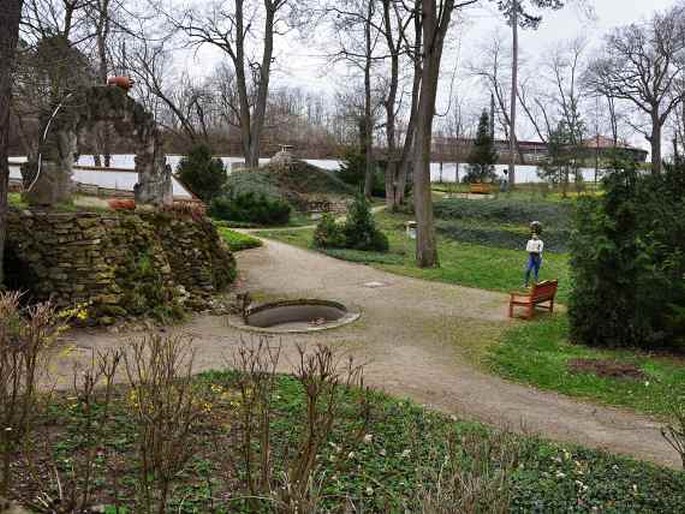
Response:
column 540, row 294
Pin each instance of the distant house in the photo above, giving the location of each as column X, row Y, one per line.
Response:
column 449, row 149
column 601, row 147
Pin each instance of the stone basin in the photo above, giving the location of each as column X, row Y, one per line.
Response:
column 302, row 315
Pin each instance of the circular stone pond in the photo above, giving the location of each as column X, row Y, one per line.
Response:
column 295, row 316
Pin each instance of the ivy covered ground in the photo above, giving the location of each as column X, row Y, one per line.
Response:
column 383, row 455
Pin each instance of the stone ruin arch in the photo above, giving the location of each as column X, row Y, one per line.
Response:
column 80, row 111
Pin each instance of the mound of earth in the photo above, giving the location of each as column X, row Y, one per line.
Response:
column 298, row 182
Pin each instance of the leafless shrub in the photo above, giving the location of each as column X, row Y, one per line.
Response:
column 674, row 432
column 165, row 406
column 93, row 388
column 323, row 377
column 473, row 476
column 256, row 362
column 25, row 335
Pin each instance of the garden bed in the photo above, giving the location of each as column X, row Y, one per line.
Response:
column 392, row 466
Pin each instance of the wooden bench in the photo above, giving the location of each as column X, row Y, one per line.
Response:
column 480, row 188
column 541, row 293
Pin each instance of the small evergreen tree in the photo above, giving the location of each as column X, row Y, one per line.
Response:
column 353, row 170
column 483, row 156
column 201, row 173
column 628, row 261
column 360, row 228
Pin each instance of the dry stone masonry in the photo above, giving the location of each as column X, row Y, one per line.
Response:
column 122, row 264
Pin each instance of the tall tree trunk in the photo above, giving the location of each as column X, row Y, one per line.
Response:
column 368, row 121
column 102, row 137
column 241, row 84
column 263, row 86
column 655, row 142
column 433, row 29
column 392, row 164
column 10, row 14
column 403, row 168
column 514, row 87
column 492, row 116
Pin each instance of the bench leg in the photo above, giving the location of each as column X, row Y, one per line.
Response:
column 551, row 305
column 511, row 310
column 531, row 309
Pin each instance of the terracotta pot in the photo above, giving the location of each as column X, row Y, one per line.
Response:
column 121, row 81
column 122, row 204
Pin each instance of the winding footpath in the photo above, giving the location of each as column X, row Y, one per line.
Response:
column 414, row 337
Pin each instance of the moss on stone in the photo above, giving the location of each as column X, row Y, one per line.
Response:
column 122, row 264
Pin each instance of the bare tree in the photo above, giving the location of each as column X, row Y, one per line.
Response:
column 518, row 15
column 99, row 13
column 358, row 33
column 10, row 15
column 231, row 31
column 395, row 22
column 491, row 70
column 640, row 64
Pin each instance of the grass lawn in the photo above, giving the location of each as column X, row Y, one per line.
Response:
column 539, row 353
column 485, row 267
column 237, row 241
column 392, row 459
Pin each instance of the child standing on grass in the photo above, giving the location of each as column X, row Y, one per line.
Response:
column 534, row 248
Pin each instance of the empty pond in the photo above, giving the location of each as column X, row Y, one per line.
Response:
column 303, row 315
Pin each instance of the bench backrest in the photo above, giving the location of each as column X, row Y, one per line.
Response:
column 480, row 187
column 544, row 290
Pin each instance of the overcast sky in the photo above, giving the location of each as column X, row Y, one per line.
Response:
column 304, row 63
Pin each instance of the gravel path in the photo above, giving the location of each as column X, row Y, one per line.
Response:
column 413, row 338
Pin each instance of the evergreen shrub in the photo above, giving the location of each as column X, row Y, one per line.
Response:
column 251, row 208
column 628, row 261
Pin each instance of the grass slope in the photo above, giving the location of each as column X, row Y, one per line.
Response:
column 291, row 183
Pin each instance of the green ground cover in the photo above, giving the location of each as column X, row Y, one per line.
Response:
column 398, row 458
column 237, row 241
column 539, row 354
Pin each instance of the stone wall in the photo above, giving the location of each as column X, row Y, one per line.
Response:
column 122, row 264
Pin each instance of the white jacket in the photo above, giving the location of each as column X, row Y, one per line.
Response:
column 534, row 246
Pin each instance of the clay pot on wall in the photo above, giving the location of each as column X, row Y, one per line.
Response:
column 122, row 204
column 121, row 81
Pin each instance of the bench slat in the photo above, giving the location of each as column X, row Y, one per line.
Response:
column 540, row 293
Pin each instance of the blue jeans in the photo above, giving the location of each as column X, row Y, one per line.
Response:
column 534, row 263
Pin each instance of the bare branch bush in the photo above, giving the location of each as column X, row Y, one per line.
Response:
column 25, row 336
column 93, row 388
column 473, row 476
column 674, row 432
column 256, row 361
column 165, row 407
column 323, row 378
